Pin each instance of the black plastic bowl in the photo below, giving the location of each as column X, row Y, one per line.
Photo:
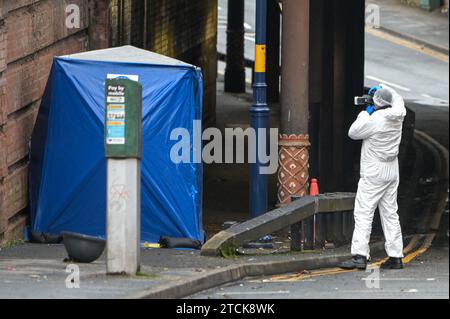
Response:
column 82, row 248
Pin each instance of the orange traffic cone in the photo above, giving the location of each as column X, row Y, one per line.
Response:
column 314, row 190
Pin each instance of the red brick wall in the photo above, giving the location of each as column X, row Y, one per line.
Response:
column 32, row 32
column 182, row 29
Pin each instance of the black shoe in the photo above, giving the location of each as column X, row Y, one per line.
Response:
column 357, row 262
column 392, row 263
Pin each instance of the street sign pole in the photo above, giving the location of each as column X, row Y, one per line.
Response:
column 259, row 113
column 123, row 148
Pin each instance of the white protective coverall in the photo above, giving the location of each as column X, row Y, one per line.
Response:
column 381, row 133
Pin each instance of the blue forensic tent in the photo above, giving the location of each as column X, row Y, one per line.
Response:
column 68, row 166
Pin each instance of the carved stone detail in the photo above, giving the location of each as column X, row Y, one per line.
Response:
column 293, row 172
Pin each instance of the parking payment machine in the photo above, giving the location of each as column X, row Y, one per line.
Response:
column 123, row 150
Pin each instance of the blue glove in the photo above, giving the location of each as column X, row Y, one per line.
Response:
column 374, row 89
column 370, row 109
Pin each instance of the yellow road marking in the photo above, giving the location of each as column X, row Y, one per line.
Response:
column 414, row 255
column 425, row 246
column 333, row 271
column 407, row 44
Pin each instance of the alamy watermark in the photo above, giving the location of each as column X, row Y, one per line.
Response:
column 373, row 280
column 230, row 149
column 73, row 17
column 373, row 16
column 73, row 279
column 262, row 143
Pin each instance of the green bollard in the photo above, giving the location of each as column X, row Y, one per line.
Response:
column 123, row 150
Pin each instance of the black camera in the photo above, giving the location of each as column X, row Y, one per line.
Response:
column 364, row 100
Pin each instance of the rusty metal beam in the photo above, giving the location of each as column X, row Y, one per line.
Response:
column 293, row 174
column 295, row 67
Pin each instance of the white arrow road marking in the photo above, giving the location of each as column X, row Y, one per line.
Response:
column 249, row 38
column 395, row 279
column 442, row 101
column 373, row 78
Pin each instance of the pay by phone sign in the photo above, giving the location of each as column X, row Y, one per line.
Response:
column 115, row 116
column 123, row 118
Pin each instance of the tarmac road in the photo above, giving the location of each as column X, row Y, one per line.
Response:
column 418, row 77
column 426, row 277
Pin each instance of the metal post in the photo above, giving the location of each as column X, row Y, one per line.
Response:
column 235, row 68
column 336, row 228
column 273, row 51
column 259, row 112
column 295, row 67
column 296, row 236
column 297, row 233
column 315, row 100
column 348, row 226
column 293, row 175
column 123, row 150
column 320, row 231
column 123, row 218
column 329, row 235
column 308, row 228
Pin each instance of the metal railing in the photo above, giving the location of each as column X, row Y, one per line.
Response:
column 226, row 242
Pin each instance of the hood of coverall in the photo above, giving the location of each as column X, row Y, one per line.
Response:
column 395, row 113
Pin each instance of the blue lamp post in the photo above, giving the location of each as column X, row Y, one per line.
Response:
column 259, row 112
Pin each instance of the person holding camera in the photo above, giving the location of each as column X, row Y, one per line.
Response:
column 380, row 129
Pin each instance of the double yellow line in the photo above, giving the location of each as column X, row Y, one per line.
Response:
column 410, row 255
column 407, row 44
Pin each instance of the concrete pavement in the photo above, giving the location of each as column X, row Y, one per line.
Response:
column 39, row 271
